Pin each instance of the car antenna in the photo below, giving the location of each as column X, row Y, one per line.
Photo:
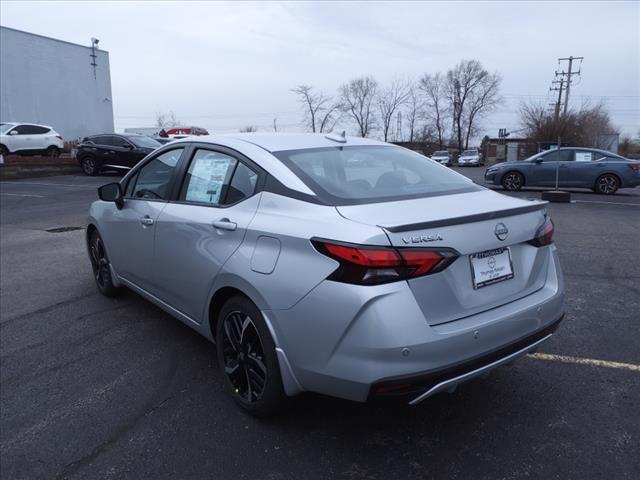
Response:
column 337, row 137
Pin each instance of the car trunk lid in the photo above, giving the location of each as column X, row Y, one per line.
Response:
column 469, row 223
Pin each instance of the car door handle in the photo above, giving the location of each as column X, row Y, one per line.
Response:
column 146, row 221
column 225, row 224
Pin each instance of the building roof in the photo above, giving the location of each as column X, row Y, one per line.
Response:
column 2, row 27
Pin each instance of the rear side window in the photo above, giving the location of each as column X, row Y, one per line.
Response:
column 119, row 142
column 369, row 174
column 558, row 156
column 154, row 178
column 215, row 178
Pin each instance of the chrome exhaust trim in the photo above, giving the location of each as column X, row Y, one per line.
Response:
column 452, row 382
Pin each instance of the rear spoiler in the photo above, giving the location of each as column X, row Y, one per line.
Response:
column 479, row 217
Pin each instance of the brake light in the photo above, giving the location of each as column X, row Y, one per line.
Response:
column 544, row 235
column 635, row 166
column 369, row 265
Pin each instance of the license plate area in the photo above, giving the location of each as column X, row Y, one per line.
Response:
column 491, row 267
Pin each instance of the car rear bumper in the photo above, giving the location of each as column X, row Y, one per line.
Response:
column 345, row 341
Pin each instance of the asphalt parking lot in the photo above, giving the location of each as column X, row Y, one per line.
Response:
column 115, row 388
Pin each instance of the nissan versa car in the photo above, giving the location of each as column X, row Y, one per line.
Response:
column 603, row 172
column 330, row 264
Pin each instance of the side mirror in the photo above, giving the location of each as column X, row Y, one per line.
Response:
column 13, row 132
column 537, row 160
column 128, row 146
column 111, row 192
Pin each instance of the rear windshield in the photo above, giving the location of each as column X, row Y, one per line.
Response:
column 369, row 174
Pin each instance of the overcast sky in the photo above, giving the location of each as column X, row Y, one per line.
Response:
column 224, row 66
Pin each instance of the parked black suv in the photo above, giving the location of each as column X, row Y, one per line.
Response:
column 113, row 151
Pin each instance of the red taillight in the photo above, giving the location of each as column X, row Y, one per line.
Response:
column 368, row 265
column 368, row 257
column 635, row 166
column 544, row 235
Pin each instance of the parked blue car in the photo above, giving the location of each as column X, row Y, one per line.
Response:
column 602, row 171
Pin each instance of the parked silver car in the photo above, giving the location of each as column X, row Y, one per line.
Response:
column 337, row 265
column 470, row 157
column 442, row 156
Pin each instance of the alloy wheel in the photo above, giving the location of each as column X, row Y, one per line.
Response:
column 88, row 166
column 607, row 184
column 243, row 355
column 99, row 262
column 512, row 181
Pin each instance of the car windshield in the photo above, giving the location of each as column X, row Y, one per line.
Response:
column 368, row 174
column 441, row 153
column 144, row 142
column 5, row 127
column 470, row 152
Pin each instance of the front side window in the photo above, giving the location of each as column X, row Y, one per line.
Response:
column 366, row 174
column 558, row 156
column 154, row 178
column 208, row 175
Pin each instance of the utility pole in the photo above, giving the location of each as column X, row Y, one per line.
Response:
column 559, row 102
column 568, row 74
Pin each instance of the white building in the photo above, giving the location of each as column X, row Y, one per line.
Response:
column 52, row 82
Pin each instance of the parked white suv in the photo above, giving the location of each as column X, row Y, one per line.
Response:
column 28, row 138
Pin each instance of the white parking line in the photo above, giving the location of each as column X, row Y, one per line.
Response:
column 606, row 203
column 49, row 184
column 22, row 195
column 585, row 361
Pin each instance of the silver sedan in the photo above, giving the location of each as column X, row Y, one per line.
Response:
column 330, row 264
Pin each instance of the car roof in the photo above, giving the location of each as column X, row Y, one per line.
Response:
column 15, row 124
column 275, row 142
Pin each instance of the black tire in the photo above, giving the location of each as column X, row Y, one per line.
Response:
column 100, row 266
column 89, row 166
column 247, row 358
column 512, row 181
column 4, row 150
column 607, row 184
column 53, row 152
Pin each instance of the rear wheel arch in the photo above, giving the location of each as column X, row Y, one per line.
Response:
column 4, row 150
column 218, row 300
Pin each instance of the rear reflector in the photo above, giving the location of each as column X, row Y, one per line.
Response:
column 369, row 265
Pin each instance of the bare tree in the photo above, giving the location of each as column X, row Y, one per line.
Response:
column 436, row 109
column 357, row 100
column 580, row 128
column 414, row 110
column 390, row 100
column 471, row 91
column 166, row 120
column 319, row 109
column 248, row 129
column 275, row 123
